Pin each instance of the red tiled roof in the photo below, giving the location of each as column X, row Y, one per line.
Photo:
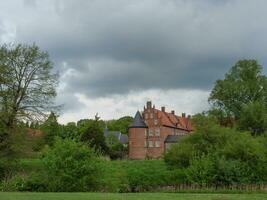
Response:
column 172, row 120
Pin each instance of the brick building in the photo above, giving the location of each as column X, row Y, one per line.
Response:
column 153, row 131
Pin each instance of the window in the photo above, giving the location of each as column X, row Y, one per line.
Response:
column 146, row 133
column 146, row 116
column 150, row 132
column 157, row 144
column 151, row 115
column 145, row 145
column 155, row 121
column 157, row 132
column 150, row 144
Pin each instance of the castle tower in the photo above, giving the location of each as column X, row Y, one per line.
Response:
column 137, row 137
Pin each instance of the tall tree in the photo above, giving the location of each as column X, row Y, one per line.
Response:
column 27, row 83
column 243, row 84
column 51, row 129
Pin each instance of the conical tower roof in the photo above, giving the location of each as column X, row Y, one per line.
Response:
column 138, row 121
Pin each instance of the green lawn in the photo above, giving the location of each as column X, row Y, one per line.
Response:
column 131, row 196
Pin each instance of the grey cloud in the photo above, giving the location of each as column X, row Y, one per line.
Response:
column 117, row 46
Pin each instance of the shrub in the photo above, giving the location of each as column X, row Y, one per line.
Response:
column 71, row 167
column 220, row 156
column 146, row 175
column 201, row 170
column 15, row 183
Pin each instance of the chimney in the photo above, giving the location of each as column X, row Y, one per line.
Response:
column 173, row 112
column 189, row 116
column 163, row 108
column 148, row 104
column 183, row 114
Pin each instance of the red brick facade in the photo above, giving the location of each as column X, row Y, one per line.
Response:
column 147, row 137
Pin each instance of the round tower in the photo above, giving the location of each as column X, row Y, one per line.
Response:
column 137, row 137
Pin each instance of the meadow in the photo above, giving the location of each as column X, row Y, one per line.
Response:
column 128, row 196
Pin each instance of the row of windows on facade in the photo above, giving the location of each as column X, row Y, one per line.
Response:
column 152, row 132
column 156, row 132
column 152, row 144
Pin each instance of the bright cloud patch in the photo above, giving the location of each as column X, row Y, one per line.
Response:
column 115, row 106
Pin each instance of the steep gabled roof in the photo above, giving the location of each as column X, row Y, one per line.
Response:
column 138, row 121
column 172, row 120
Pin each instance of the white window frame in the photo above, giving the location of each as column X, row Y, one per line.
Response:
column 157, row 143
column 150, row 132
column 150, row 143
column 157, row 132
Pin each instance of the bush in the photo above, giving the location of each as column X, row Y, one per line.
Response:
column 15, row 183
column 71, row 167
column 201, row 170
column 146, row 175
column 220, row 156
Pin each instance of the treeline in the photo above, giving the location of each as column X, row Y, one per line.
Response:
column 89, row 131
column 228, row 146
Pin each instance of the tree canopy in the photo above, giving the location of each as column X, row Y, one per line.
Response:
column 243, row 84
column 27, row 83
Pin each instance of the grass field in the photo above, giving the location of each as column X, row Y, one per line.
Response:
column 132, row 196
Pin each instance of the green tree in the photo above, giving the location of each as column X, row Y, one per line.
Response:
column 71, row 167
column 70, row 131
column 243, row 84
column 27, row 84
column 51, row 129
column 92, row 133
column 120, row 124
column 116, row 150
column 253, row 118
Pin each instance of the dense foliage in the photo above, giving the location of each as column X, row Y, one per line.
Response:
column 50, row 129
column 93, row 134
column 120, row 124
column 229, row 144
column 71, row 166
column 218, row 155
column 242, row 85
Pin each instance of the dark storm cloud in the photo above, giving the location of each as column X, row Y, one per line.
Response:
column 120, row 45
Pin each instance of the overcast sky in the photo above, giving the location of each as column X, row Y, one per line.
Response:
column 114, row 55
